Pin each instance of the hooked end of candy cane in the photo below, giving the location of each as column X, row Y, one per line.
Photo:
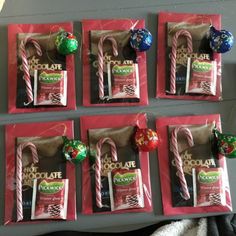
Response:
column 171, row 92
column 27, row 103
column 185, row 196
column 19, row 218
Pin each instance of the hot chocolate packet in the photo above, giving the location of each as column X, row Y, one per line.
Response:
column 208, row 187
column 126, row 189
column 50, row 87
column 201, row 77
column 123, row 80
column 50, row 197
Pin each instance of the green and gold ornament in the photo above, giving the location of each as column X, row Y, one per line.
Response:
column 66, row 43
column 74, row 150
column 226, row 144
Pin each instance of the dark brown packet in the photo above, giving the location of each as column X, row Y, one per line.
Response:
column 201, row 49
column 50, row 60
column 127, row 158
column 50, row 165
column 125, row 54
column 198, row 155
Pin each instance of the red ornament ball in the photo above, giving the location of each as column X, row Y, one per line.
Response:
column 146, row 139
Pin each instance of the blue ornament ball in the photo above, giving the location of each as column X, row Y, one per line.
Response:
column 140, row 39
column 221, row 41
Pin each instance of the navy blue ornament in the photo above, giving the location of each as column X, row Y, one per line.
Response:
column 221, row 41
column 140, row 39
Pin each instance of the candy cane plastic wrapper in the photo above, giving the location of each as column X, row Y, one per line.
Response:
column 174, row 72
column 187, row 155
column 173, row 56
column 178, row 161
column 101, row 61
column 114, row 74
column 98, row 166
column 35, row 158
column 26, row 67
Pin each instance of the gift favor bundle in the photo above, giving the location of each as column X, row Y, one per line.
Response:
column 193, row 174
column 113, row 150
column 40, row 183
column 41, row 67
column 189, row 56
column 116, row 175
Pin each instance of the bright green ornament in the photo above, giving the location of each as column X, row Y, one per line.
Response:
column 66, row 43
column 226, row 144
column 74, row 150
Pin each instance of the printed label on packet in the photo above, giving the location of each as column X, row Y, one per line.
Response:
column 208, row 187
column 49, row 200
column 123, row 81
column 126, row 189
column 201, row 77
column 50, row 88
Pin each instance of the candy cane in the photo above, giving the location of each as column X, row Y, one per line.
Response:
column 173, row 56
column 98, row 167
column 26, row 67
column 178, row 159
column 101, row 61
column 19, row 175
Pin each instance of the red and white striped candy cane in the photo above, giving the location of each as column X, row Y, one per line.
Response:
column 19, row 174
column 173, row 56
column 26, row 67
column 101, row 61
column 178, row 159
column 98, row 166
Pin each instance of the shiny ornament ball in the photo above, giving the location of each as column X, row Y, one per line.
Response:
column 221, row 41
column 66, row 43
column 74, row 150
column 146, row 139
column 140, row 39
column 226, row 144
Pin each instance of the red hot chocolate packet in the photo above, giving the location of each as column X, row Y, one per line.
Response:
column 123, row 81
column 50, row 88
column 201, row 77
column 50, row 197
column 126, row 189
column 209, row 188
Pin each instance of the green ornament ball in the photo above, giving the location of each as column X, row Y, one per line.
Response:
column 226, row 144
column 66, row 43
column 74, row 150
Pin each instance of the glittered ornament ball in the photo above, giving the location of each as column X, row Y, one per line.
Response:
column 226, row 144
column 221, row 41
column 140, row 39
column 66, row 43
column 74, row 150
column 146, row 139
